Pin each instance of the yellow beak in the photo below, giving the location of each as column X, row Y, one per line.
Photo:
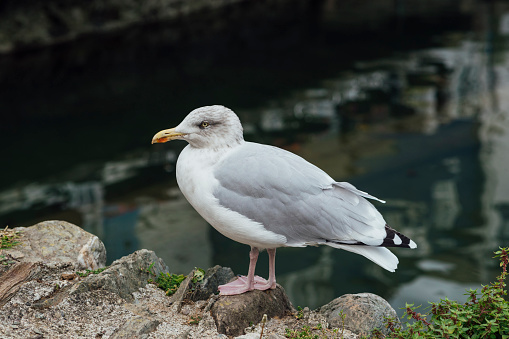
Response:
column 166, row 135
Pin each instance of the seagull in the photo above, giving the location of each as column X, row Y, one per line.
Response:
column 267, row 197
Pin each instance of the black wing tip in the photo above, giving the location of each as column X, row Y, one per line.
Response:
column 392, row 239
column 396, row 239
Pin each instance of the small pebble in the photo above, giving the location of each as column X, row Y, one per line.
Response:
column 15, row 326
column 185, row 310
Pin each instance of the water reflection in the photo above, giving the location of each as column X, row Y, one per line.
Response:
column 426, row 130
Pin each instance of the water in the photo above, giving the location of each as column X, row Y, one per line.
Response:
column 417, row 117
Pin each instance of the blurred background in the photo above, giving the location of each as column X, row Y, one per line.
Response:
column 406, row 99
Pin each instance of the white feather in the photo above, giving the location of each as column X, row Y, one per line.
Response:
column 379, row 255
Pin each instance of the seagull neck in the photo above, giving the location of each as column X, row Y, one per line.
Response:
column 218, row 145
column 206, row 157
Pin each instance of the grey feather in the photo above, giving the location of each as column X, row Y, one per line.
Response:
column 294, row 198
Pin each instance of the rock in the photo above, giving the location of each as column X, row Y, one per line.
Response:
column 41, row 294
column 214, row 277
column 184, row 335
column 249, row 336
column 125, row 275
column 59, row 242
column 15, row 278
column 190, row 291
column 363, row 313
column 135, row 328
column 234, row 313
column 275, row 336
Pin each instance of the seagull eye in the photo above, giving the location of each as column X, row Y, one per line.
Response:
column 204, row 124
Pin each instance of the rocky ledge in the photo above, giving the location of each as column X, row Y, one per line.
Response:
column 42, row 296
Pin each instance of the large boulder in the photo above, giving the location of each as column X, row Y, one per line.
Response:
column 58, row 242
column 360, row 313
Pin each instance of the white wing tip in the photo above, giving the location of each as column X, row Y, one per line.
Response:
column 412, row 244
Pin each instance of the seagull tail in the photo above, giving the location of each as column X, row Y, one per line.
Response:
column 379, row 255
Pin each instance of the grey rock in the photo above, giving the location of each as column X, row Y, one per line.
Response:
column 249, row 336
column 184, row 335
column 234, row 313
column 363, row 313
column 190, row 291
column 125, row 275
column 275, row 336
column 183, row 291
column 59, row 242
column 136, row 327
column 214, row 277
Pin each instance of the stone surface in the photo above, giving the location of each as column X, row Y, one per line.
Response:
column 125, row 275
column 59, row 242
column 363, row 312
column 214, row 277
column 47, row 299
column 136, row 327
column 189, row 291
column 234, row 313
column 11, row 281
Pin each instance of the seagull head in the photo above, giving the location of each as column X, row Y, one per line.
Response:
column 206, row 127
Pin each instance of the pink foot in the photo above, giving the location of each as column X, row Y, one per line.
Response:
column 241, row 285
column 262, row 284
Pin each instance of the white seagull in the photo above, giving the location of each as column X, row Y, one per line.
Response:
column 266, row 197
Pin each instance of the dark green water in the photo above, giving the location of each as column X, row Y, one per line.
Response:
column 413, row 113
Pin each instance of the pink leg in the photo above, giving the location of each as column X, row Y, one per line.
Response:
column 271, row 284
column 242, row 284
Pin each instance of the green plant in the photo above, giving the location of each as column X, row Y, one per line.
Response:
column 170, row 282
column 198, row 275
column 150, row 269
column 88, row 272
column 484, row 315
column 194, row 320
column 342, row 315
column 300, row 313
column 304, row 333
column 5, row 260
column 8, row 238
column 317, row 332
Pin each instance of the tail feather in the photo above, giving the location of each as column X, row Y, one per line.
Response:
column 379, row 255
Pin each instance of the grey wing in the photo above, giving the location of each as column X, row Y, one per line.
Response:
column 292, row 197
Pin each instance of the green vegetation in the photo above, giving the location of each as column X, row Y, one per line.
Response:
column 168, row 282
column 4, row 260
column 194, row 320
column 300, row 313
column 317, row 332
column 8, row 238
column 484, row 315
column 88, row 272
column 171, row 282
